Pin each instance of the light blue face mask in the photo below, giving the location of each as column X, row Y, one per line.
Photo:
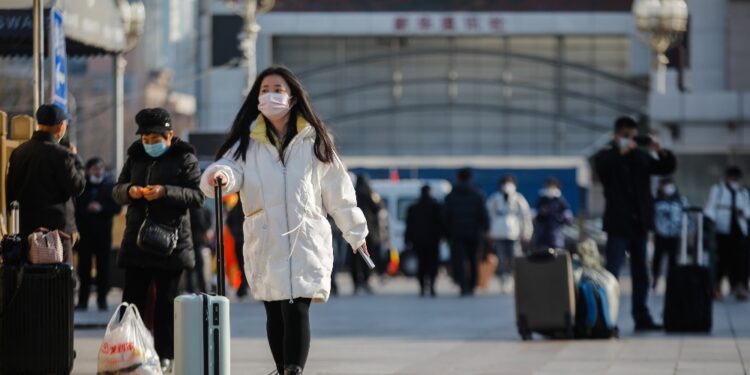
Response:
column 157, row 149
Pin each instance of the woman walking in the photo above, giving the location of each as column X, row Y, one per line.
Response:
column 159, row 184
column 281, row 160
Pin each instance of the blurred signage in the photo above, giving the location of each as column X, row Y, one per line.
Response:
column 468, row 24
column 452, row 6
column 59, row 79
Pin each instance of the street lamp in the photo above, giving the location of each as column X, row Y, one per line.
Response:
column 662, row 23
column 133, row 18
column 249, row 12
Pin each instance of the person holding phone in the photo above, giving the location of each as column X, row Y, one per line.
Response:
column 158, row 184
column 282, row 161
column 625, row 167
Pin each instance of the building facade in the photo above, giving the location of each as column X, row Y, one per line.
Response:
column 421, row 78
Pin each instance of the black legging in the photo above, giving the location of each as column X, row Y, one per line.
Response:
column 288, row 329
column 137, row 284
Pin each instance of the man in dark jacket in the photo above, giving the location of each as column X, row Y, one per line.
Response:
column 159, row 181
column 625, row 169
column 466, row 222
column 95, row 209
column 424, row 230
column 44, row 176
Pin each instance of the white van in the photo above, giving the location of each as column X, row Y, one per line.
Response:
column 398, row 196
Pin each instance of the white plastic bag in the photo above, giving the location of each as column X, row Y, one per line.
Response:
column 128, row 346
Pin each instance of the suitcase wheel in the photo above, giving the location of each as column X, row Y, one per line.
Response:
column 523, row 328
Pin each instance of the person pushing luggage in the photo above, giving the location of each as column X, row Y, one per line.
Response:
column 281, row 159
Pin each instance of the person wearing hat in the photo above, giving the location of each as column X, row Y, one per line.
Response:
column 159, row 182
column 44, row 177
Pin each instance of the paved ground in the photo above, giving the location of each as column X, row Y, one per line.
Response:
column 395, row 332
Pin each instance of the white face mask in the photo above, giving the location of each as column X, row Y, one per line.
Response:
column 669, row 189
column 552, row 192
column 274, row 105
column 96, row 179
column 509, row 188
column 623, row 142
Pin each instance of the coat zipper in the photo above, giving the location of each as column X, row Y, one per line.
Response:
column 148, row 174
column 289, row 240
column 283, row 161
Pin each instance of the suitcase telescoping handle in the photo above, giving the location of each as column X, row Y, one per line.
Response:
column 14, row 224
column 221, row 287
column 684, row 235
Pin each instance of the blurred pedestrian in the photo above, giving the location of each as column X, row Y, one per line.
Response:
column 235, row 219
column 200, row 227
column 466, row 223
column 625, row 167
column 668, row 208
column 281, row 159
column 728, row 207
column 424, row 230
column 371, row 205
column 45, row 178
column 159, row 184
column 95, row 209
column 510, row 224
column 552, row 214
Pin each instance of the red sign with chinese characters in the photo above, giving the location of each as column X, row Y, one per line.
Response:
column 453, row 6
column 449, row 23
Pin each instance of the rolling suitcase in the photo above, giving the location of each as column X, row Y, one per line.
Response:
column 688, row 304
column 36, row 311
column 545, row 294
column 202, row 332
column 36, row 319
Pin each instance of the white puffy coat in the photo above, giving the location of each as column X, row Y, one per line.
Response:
column 511, row 219
column 288, row 250
column 719, row 208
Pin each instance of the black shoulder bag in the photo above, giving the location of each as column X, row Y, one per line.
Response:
column 156, row 238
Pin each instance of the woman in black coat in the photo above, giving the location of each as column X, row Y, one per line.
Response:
column 160, row 177
column 424, row 230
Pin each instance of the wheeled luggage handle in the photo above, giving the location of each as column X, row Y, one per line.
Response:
column 684, row 235
column 221, row 284
column 14, row 225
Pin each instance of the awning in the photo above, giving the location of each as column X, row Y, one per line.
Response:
column 91, row 27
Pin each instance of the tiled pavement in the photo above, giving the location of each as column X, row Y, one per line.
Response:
column 395, row 332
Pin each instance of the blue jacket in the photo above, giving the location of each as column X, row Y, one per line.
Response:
column 668, row 215
column 552, row 215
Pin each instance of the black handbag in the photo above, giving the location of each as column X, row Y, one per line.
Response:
column 156, row 238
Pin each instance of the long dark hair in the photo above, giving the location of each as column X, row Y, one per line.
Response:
column 324, row 148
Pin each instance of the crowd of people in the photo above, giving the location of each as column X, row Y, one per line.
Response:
column 297, row 201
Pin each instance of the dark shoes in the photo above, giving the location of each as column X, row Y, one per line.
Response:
column 648, row 325
column 292, row 370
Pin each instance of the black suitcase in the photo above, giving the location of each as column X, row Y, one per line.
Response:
column 545, row 294
column 688, row 304
column 36, row 313
column 36, row 326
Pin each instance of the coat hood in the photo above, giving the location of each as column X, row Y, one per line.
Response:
column 259, row 133
column 178, row 146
